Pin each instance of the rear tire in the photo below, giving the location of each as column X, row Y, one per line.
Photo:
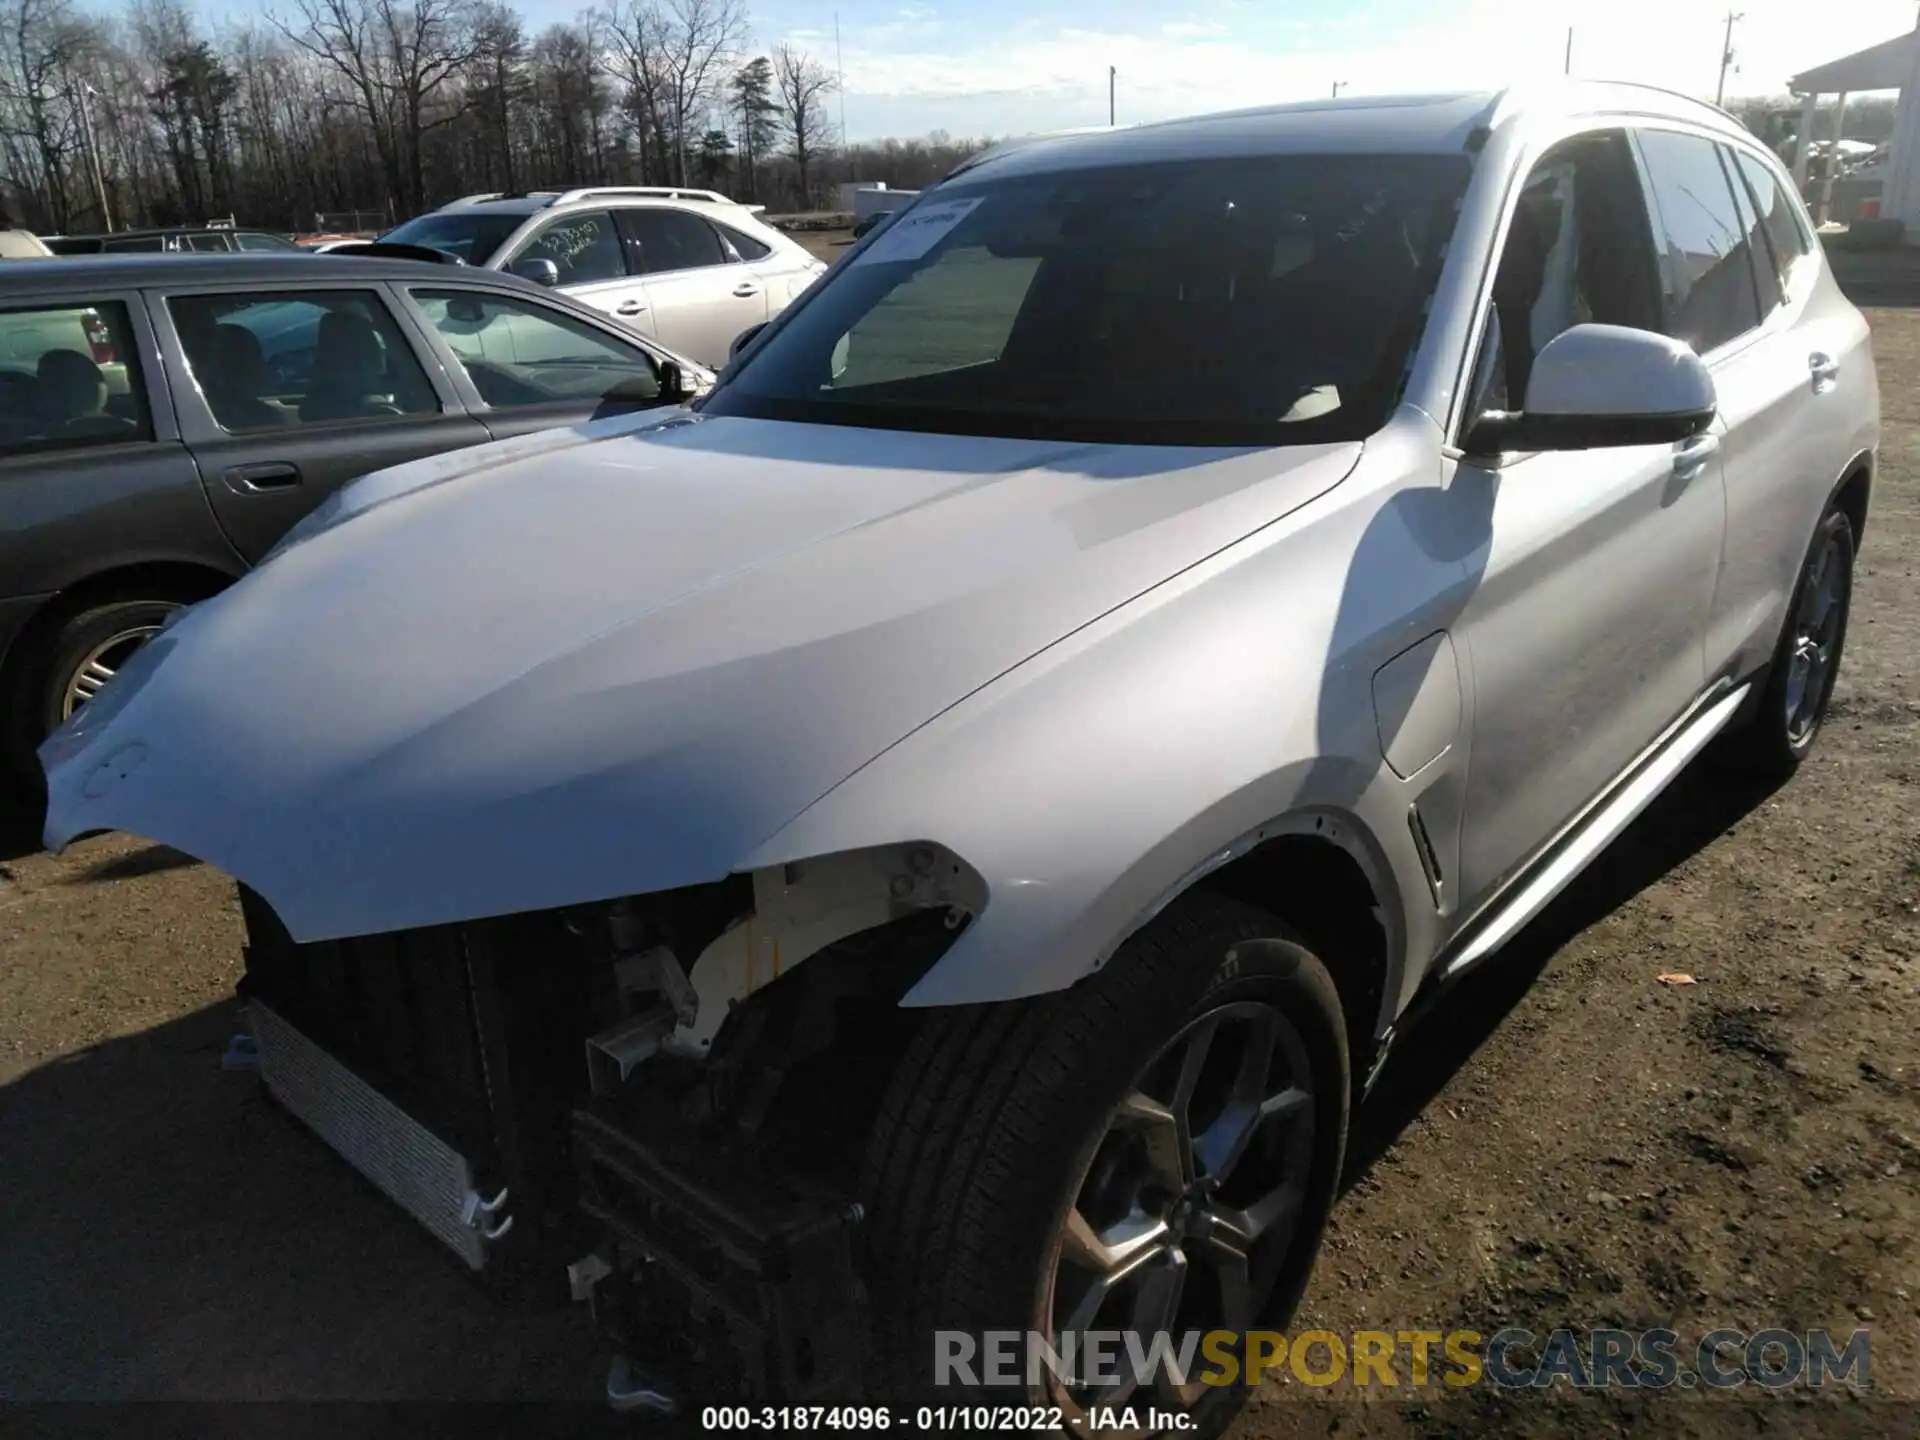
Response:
column 1005, row 1139
column 1780, row 733
column 62, row 667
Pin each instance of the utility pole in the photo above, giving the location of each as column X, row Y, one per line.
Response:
column 87, row 93
column 1338, row 86
column 1111, row 73
column 1726, row 56
column 840, row 79
column 1569, row 69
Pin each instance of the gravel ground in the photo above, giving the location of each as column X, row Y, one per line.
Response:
column 1569, row 1143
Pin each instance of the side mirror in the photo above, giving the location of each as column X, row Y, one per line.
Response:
column 674, row 384
column 541, row 272
column 1599, row 386
column 741, row 341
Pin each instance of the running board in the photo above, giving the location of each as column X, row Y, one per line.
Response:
column 1597, row 831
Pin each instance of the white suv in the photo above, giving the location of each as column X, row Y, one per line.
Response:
column 691, row 268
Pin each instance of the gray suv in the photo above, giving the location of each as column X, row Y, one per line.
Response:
column 936, row 839
column 164, row 421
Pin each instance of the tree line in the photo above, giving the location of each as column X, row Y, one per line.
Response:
column 369, row 111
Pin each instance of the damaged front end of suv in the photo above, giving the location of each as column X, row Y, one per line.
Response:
column 656, row 1101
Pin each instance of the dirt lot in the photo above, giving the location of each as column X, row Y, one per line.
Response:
column 1569, row 1142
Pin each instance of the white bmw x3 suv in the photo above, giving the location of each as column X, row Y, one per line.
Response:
column 690, row 268
column 934, row 839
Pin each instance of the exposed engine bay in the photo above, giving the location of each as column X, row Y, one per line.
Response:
column 654, row 1104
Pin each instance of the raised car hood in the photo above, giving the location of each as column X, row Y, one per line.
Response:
column 609, row 663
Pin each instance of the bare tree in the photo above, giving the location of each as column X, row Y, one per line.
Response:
column 365, row 107
column 498, row 83
column 801, row 86
column 754, row 110
column 570, row 102
column 43, row 44
column 675, row 57
column 400, row 59
column 636, row 35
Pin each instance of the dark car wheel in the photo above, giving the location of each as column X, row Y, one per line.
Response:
column 1156, row 1149
column 1806, row 660
column 67, row 667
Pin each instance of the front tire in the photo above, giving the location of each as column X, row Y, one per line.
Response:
column 1157, row 1148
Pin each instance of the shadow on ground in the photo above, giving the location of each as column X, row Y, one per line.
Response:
column 149, row 860
column 167, row 1233
column 19, row 829
column 1695, row 811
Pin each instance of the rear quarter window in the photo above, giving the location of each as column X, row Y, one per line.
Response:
column 745, row 245
column 69, row 379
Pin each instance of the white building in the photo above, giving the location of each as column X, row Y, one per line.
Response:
column 1891, row 65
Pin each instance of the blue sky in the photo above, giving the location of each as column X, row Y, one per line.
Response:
column 980, row 67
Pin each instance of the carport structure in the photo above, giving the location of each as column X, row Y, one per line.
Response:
column 1891, row 65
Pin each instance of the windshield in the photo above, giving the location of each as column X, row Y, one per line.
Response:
column 472, row 236
column 1256, row 301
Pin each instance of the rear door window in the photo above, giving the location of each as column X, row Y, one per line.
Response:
column 1787, row 238
column 69, row 379
column 663, row 240
column 269, row 362
column 1706, row 253
column 1767, row 282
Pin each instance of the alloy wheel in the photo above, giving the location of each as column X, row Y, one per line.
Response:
column 100, row 664
column 1186, row 1212
column 1816, row 632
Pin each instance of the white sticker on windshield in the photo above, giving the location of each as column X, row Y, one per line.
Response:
column 918, row 231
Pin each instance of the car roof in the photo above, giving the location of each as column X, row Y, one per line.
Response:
column 1384, row 124
column 167, row 230
column 139, row 271
column 614, row 197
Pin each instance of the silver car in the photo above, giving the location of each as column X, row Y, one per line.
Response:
column 690, row 268
column 938, row 840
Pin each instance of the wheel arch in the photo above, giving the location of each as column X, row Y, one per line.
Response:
column 1853, row 492
column 1318, row 868
column 1314, row 881
column 188, row 580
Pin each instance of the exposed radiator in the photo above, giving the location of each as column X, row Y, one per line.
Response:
column 412, row 1165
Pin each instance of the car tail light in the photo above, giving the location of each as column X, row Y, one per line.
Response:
column 100, row 337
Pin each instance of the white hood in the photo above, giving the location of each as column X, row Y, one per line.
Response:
column 614, row 660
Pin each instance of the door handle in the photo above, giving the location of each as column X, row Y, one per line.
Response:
column 1825, row 370
column 1690, row 457
column 745, row 290
column 253, row 479
column 630, row 307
